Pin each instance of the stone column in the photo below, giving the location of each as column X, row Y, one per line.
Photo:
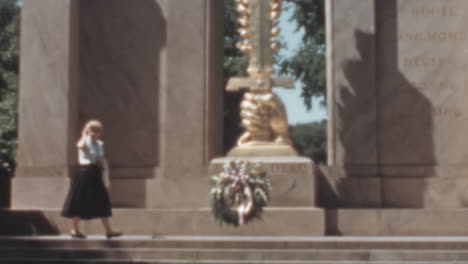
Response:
column 191, row 104
column 47, row 103
column 352, row 178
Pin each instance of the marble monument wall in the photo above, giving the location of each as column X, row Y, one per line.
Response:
column 150, row 70
column 397, row 77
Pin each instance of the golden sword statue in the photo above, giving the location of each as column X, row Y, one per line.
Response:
column 263, row 114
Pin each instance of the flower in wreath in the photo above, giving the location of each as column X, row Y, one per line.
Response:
column 239, row 192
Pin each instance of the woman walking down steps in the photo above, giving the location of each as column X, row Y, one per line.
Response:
column 87, row 197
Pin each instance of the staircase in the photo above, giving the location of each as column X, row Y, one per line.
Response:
column 235, row 250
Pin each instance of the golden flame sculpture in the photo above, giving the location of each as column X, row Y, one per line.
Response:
column 263, row 114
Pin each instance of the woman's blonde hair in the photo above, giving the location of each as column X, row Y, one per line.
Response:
column 92, row 124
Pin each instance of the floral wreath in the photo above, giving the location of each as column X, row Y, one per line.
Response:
column 239, row 192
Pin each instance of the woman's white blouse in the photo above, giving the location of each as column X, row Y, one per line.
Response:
column 91, row 152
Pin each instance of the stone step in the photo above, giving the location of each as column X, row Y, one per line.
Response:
column 235, row 254
column 241, row 242
column 320, row 250
column 193, row 222
column 199, row 222
column 196, row 261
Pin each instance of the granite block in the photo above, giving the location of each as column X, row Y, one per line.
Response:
column 293, row 179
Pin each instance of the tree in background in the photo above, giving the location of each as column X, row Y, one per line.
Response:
column 307, row 65
column 235, row 64
column 310, row 140
column 9, row 31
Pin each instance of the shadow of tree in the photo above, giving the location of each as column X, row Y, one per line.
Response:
column 384, row 125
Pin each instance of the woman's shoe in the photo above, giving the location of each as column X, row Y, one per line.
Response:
column 75, row 234
column 113, row 234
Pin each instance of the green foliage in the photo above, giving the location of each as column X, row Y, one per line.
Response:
column 9, row 31
column 310, row 140
column 235, row 64
column 308, row 63
column 239, row 183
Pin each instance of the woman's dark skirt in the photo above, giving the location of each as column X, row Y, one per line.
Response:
column 87, row 197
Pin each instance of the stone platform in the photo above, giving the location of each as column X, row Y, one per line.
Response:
column 235, row 250
column 303, row 222
column 397, row 222
column 267, row 150
column 276, row 221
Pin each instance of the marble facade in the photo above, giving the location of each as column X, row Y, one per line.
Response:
column 396, row 74
column 151, row 72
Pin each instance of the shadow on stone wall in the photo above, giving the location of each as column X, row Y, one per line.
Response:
column 120, row 81
column 5, row 191
column 21, row 241
column 120, row 57
column 25, row 223
column 398, row 136
column 232, row 121
column 405, row 122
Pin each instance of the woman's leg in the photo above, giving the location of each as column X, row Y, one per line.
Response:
column 75, row 232
column 108, row 227
column 76, row 224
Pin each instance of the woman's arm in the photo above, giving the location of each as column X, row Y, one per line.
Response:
column 82, row 142
column 100, row 157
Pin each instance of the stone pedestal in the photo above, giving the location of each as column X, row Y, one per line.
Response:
column 293, row 195
column 262, row 151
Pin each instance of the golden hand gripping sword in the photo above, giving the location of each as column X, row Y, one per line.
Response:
column 263, row 114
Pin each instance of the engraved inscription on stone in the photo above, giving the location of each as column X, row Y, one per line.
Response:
column 446, row 111
column 428, row 62
column 432, row 36
column 286, row 168
column 430, row 55
column 448, row 86
column 437, row 85
column 428, row 11
column 422, row 77
column 275, row 168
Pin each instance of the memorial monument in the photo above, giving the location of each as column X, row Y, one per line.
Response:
column 152, row 81
column 396, row 89
column 397, row 113
column 266, row 140
column 151, row 70
column 263, row 113
column 152, row 73
column 396, row 147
